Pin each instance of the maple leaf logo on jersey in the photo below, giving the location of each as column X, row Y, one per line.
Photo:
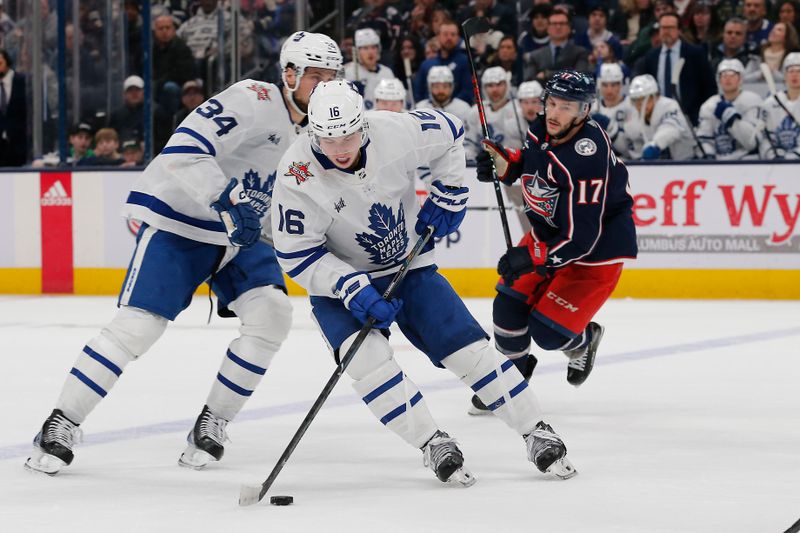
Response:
column 540, row 197
column 262, row 93
column 389, row 241
column 787, row 133
column 259, row 192
column 299, row 171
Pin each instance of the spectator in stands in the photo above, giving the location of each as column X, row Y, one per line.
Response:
column 536, row 36
column 559, row 53
column 133, row 30
column 758, row 25
column 507, row 57
column 631, row 17
column 735, row 46
column 782, row 40
column 598, row 31
column 420, row 19
column 703, row 28
column 696, row 82
column 6, row 24
column 432, row 48
column 173, row 64
column 191, row 96
column 501, row 16
column 643, row 42
column 780, row 115
column 132, row 153
column 602, row 54
column 106, row 150
column 440, row 87
column 128, row 120
column 92, row 78
column 80, row 143
column 410, row 49
column 788, row 12
column 451, row 55
column 382, row 17
column 13, row 115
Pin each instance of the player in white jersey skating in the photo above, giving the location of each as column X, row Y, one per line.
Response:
column 728, row 126
column 658, row 128
column 613, row 104
column 503, row 116
column 346, row 217
column 201, row 203
column 364, row 70
column 780, row 114
column 440, row 88
column 390, row 95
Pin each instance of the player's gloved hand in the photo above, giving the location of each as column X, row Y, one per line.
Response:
column 521, row 260
column 444, row 209
column 242, row 221
column 506, row 161
column 726, row 113
column 361, row 298
column 651, row 152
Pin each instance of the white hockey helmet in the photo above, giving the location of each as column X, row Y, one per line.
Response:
column 610, row 73
column 336, row 109
column 367, row 37
column 495, row 75
column 730, row 64
column 792, row 59
column 303, row 49
column 529, row 89
column 390, row 89
column 642, row 86
column 440, row 74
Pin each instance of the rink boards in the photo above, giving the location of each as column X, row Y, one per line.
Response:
column 704, row 231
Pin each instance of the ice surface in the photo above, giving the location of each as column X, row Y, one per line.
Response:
column 689, row 423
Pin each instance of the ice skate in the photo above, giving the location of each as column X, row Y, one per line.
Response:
column 206, row 441
column 548, row 452
column 581, row 360
column 526, row 369
column 441, row 454
column 52, row 446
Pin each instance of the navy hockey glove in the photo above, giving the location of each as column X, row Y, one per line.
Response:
column 650, row 152
column 361, row 298
column 726, row 113
column 444, row 209
column 242, row 221
column 506, row 161
column 521, row 260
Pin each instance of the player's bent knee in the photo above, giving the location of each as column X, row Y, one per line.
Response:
column 546, row 337
column 134, row 330
column 374, row 352
column 266, row 313
column 470, row 359
column 509, row 313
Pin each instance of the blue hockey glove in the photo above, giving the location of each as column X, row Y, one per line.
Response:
column 242, row 221
column 444, row 209
column 361, row 298
column 726, row 113
column 650, row 152
column 505, row 161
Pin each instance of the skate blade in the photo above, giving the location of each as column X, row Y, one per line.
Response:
column 562, row 469
column 462, row 478
column 249, row 495
column 43, row 463
column 474, row 411
column 194, row 458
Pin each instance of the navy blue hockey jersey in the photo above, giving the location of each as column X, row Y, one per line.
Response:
column 577, row 197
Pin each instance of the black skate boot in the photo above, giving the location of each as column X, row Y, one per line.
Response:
column 441, row 454
column 52, row 446
column 581, row 360
column 525, row 365
column 548, row 452
column 206, row 441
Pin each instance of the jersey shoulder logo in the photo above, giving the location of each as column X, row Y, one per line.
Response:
column 585, row 146
column 299, row 171
column 261, row 90
column 389, row 239
column 259, row 191
column 540, row 197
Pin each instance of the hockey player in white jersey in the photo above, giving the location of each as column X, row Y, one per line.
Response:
column 364, row 70
column 613, row 104
column 390, row 95
column 201, row 203
column 440, row 88
column 529, row 95
column 780, row 114
column 728, row 124
column 658, row 128
column 504, row 119
column 346, row 217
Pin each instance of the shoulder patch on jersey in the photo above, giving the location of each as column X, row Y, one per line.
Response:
column 585, row 146
column 299, row 171
column 261, row 90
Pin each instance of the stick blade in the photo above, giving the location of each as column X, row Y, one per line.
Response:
column 249, row 495
column 476, row 25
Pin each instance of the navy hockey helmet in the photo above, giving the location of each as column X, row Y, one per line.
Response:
column 571, row 85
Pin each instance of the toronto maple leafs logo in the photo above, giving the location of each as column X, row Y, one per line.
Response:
column 787, row 133
column 262, row 93
column 299, row 171
column 259, row 191
column 541, row 198
column 389, row 239
column 723, row 142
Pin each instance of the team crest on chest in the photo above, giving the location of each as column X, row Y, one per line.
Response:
column 585, row 147
column 389, row 239
column 262, row 93
column 299, row 171
column 540, row 197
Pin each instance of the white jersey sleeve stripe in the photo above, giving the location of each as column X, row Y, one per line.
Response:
column 456, row 134
column 310, row 260
column 192, row 133
column 298, row 253
column 163, row 209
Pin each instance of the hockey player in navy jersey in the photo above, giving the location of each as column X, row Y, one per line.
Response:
column 580, row 209
column 202, row 201
column 345, row 218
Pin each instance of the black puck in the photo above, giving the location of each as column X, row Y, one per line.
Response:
column 281, row 500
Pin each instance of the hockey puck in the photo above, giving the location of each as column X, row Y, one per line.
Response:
column 281, row 500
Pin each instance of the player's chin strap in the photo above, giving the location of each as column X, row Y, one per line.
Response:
column 298, row 74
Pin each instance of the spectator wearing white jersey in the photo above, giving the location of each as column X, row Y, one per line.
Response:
column 364, row 70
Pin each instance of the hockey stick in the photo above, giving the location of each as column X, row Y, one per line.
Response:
column 767, row 73
column 471, row 27
column 407, row 69
column 676, row 74
column 251, row 494
column 794, row 528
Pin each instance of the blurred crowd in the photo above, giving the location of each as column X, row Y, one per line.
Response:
column 677, row 79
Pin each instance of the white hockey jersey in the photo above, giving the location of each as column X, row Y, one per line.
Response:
column 369, row 80
column 507, row 126
column 780, row 128
column 456, row 106
column 667, row 129
column 241, row 133
column 738, row 140
column 617, row 116
column 328, row 223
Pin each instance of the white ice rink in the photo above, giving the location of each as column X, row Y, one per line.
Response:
column 689, row 423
